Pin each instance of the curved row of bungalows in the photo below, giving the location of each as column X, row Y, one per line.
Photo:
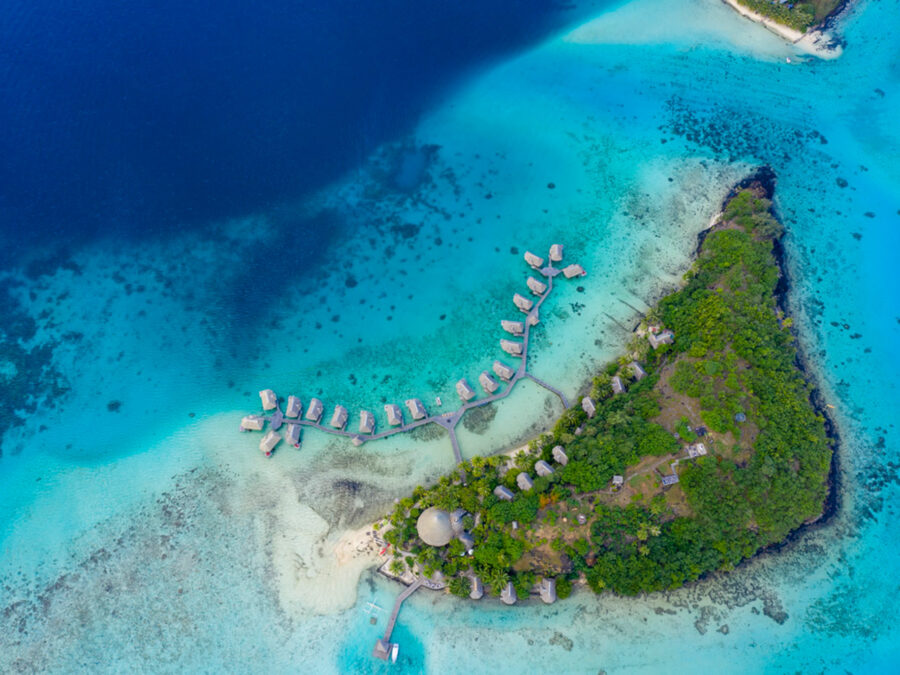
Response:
column 511, row 348
column 535, row 286
column 315, row 410
column 292, row 435
column 366, row 422
column 252, row 423
column 294, row 407
column 523, row 303
column 503, row 371
column 465, row 391
column 416, row 409
column 268, row 443
column 556, row 253
column 573, row 270
column 535, row 261
column 394, row 415
column 515, row 328
column 339, row 418
column 269, row 399
column 488, row 383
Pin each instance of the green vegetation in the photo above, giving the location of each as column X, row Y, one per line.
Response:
column 798, row 15
column 732, row 368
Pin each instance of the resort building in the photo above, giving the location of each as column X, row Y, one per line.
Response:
column 559, row 455
column 618, row 481
column 535, row 261
column 617, row 386
column 315, row 410
column 696, row 450
column 508, row 595
column 466, row 540
column 588, row 406
column 339, row 418
column 516, row 328
column 523, row 480
column 294, row 407
column 503, row 371
column 666, row 337
column 366, row 422
column 434, row 527
column 268, row 443
column 477, row 588
column 573, row 271
column 416, row 409
column 504, row 493
column 556, row 253
column 269, row 399
column 253, row 422
column 671, row 479
column 548, row 590
column 541, row 468
column 395, row 417
column 636, row 370
column 535, row 286
column 512, row 348
column 488, row 383
column 522, row 303
column 292, row 435
column 466, row 393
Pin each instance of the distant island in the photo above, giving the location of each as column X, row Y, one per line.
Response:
column 700, row 446
column 799, row 15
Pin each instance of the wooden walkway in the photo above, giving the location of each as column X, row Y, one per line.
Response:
column 449, row 420
column 408, row 591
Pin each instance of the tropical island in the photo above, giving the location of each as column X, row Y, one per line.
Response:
column 699, row 447
column 797, row 15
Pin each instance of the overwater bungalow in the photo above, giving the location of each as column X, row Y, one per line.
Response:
column 541, row 468
column 508, row 595
column 292, row 435
column 394, row 415
column 477, row 588
column 666, row 337
column 523, row 303
column 548, row 590
column 588, row 406
column 416, row 409
column 516, row 328
column 252, row 423
column 523, row 480
column 503, row 371
column 366, row 422
column 269, row 399
column 511, row 348
column 535, row 261
column 294, row 407
column 268, row 443
column 559, row 455
column 504, row 493
column 636, row 370
column 556, row 253
column 488, row 383
column 465, row 391
column 535, row 286
column 617, row 386
column 339, row 418
column 573, row 270
column 315, row 410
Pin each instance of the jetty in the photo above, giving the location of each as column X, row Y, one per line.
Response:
column 540, row 283
column 383, row 646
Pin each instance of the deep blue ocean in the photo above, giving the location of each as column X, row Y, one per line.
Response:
column 202, row 200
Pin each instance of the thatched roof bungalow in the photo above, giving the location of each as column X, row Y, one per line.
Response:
column 294, row 407
column 268, row 443
column 269, row 399
column 488, row 383
column 465, row 391
column 315, row 410
column 253, row 422
column 556, row 253
column 503, row 371
column 339, row 418
column 508, row 594
column 588, row 406
column 559, row 455
column 522, row 303
column 416, row 409
column 617, row 386
column 292, row 435
column 394, row 415
column 523, row 480
column 535, row 261
column 512, row 348
column 366, row 422
column 573, row 270
column 516, row 328
column 504, row 493
column 548, row 590
column 535, row 286
column 541, row 468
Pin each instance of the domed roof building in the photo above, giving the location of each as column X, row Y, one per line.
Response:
column 434, row 527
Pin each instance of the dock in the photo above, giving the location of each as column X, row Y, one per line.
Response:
column 448, row 420
column 383, row 646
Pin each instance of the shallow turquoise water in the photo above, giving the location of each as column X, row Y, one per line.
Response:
column 112, row 519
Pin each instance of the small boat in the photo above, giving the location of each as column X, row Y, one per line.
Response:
column 395, row 649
